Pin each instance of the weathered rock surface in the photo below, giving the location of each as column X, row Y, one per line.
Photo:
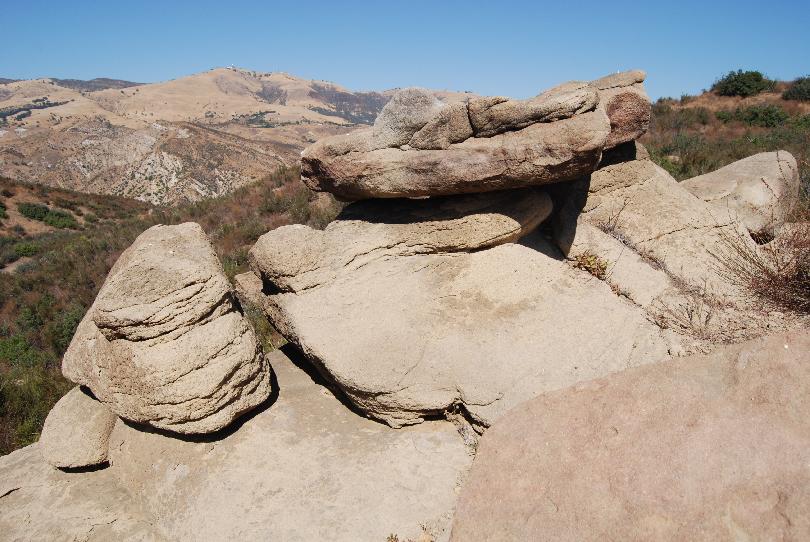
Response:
column 759, row 191
column 641, row 205
column 164, row 343
column 297, row 257
column 77, row 431
column 406, row 337
column 39, row 502
column 421, row 147
column 702, row 448
column 307, row 468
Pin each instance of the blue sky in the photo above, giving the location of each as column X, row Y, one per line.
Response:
column 511, row 48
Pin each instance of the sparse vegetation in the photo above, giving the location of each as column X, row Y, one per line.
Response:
column 56, row 218
column 765, row 116
column 742, row 83
column 593, row 264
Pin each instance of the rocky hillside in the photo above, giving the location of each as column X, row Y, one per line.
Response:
column 515, row 321
column 182, row 140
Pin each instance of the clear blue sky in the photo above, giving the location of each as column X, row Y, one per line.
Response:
column 512, row 48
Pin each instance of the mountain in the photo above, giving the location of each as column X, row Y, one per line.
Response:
column 165, row 143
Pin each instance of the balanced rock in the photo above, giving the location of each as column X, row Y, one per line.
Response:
column 711, row 447
column 297, row 257
column 77, row 431
column 164, row 343
column 422, row 147
column 759, row 191
column 410, row 336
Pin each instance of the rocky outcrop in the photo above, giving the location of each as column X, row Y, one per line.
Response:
column 703, row 448
column 297, row 257
column 759, row 191
column 408, row 336
column 164, row 344
column 77, row 431
column 487, row 144
column 306, row 468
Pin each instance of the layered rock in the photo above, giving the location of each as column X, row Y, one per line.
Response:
column 297, row 257
column 164, row 343
column 703, row 448
column 760, row 191
column 77, row 431
column 407, row 336
column 421, row 147
column 307, row 468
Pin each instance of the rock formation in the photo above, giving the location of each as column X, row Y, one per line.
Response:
column 540, row 286
column 164, row 344
column 759, row 191
column 77, row 431
column 703, row 448
column 489, row 143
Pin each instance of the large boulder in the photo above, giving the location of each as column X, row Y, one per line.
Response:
column 422, row 147
column 76, row 432
column 411, row 336
column 759, row 191
column 307, row 468
column 297, row 257
column 702, row 448
column 164, row 343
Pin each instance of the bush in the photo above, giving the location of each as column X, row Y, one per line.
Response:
column 61, row 219
column 24, row 249
column 765, row 116
column 34, row 211
column 798, row 90
column 740, row 83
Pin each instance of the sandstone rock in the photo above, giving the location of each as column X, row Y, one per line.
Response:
column 305, row 469
column 490, row 116
column 407, row 337
column 539, row 154
column 759, row 191
column 405, row 113
column 640, row 204
column 297, row 257
column 450, row 125
column 164, row 344
column 39, row 502
column 703, row 448
column 76, row 431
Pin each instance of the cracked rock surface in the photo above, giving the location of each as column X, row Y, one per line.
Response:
column 164, row 343
column 420, row 146
column 710, row 447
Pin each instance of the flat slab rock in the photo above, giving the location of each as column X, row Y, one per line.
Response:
column 708, row 447
column 164, row 343
column 420, row 146
column 297, row 257
column 408, row 337
column 306, row 468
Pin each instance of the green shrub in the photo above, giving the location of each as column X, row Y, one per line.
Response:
column 740, row 83
column 18, row 351
column 798, row 90
column 34, row 211
column 765, row 116
column 61, row 219
column 25, row 249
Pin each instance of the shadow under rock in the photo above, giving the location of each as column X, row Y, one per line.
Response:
column 223, row 433
column 82, row 470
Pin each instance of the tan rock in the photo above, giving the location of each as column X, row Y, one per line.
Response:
column 164, row 343
column 410, row 336
column 539, row 154
column 77, row 431
column 405, row 113
column 450, row 125
column 298, row 257
column 759, row 191
column 702, row 448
